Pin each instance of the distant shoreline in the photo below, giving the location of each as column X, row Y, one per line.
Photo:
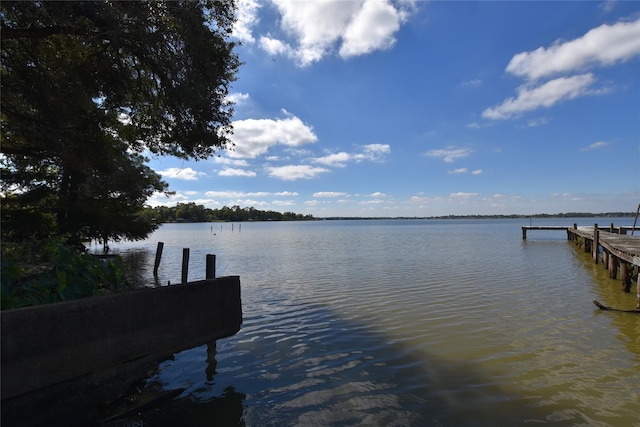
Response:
column 511, row 216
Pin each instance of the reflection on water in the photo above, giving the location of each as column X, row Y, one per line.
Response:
column 403, row 323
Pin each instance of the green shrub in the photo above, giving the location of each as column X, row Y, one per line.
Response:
column 51, row 271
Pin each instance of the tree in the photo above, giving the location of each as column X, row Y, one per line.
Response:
column 88, row 86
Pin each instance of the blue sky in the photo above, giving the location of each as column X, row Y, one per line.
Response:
column 401, row 108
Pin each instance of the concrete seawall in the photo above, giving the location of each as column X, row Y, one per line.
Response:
column 96, row 344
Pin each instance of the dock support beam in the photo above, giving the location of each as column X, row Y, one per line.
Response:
column 638, row 291
column 625, row 276
column 211, row 267
column 158, row 258
column 185, row 264
column 613, row 267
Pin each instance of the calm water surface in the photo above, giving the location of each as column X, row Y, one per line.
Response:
column 401, row 323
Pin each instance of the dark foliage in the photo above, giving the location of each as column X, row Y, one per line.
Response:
column 86, row 88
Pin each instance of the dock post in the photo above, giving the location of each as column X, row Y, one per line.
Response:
column 524, row 233
column 158, row 258
column 638, row 291
column 613, row 267
column 211, row 267
column 596, row 242
column 624, row 276
column 605, row 258
column 185, row 265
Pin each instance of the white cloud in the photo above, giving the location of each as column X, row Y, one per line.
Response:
column 464, row 171
column 377, row 194
column 253, row 137
column 449, row 154
column 476, row 125
column 550, row 93
column 372, row 28
column 471, row 83
column 246, row 19
column 537, row 122
column 228, row 161
column 236, row 172
column 462, row 196
column 238, row 98
column 186, row 174
column 317, row 27
column 337, row 159
column 370, row 152
column 608, row 5
column 240, row 194
column 373, row 152
column 458, row 171
column 283, row 203
column 250, row 202
column 604, row 46
column 595, row 146
column 293, row 172
column 275, row 47
column 329, row 194
column 161, row 199
column 372, row 202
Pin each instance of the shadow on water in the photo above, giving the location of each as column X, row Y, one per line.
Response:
column 331, row 371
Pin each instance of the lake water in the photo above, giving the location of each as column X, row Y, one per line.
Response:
column 401, row 323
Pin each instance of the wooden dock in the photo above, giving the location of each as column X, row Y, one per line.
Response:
column 618, row 251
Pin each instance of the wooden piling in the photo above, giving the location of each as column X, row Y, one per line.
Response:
column 211, row 267
column 625, row 276
column 596, row 243
column 613, row 267
column 185, row 264
column 158, row 258
column 638, row 291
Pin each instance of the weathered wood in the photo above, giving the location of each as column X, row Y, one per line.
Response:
column 604, row 307
column 53, row 375
column 540, row 227
column 625, row 277
column 619, row 252
column 211, row 267
column 624, row 247
column 613, row 267
column 596, row 243
column 638, row 290
column 185, row 264
column 156, row 264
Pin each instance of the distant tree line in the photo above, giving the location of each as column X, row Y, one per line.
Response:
column 510, row 216
column 190, row 212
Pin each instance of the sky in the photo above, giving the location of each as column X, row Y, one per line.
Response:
column 381, row 108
